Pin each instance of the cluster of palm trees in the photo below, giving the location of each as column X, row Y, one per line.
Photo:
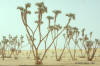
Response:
column 11, row 45
column 54, row 31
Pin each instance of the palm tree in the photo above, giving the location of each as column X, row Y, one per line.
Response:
column 49, row 18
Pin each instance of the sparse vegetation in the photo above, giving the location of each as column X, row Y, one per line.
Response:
column 77, row 44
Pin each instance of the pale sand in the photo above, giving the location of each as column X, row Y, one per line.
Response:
column 50, row 60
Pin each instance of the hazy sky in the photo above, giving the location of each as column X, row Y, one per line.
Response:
column 87, row 14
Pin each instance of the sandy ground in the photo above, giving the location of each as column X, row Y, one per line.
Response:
column 51, row 61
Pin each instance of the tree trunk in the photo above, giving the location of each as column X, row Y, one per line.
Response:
column 61, row 54
column 70, row 53
column 56, row 52
column 91, row 58
column 37, row 60
column 36, row 57
column 3, row 52
column 74, row 52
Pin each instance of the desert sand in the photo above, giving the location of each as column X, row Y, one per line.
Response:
column 50, row 60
